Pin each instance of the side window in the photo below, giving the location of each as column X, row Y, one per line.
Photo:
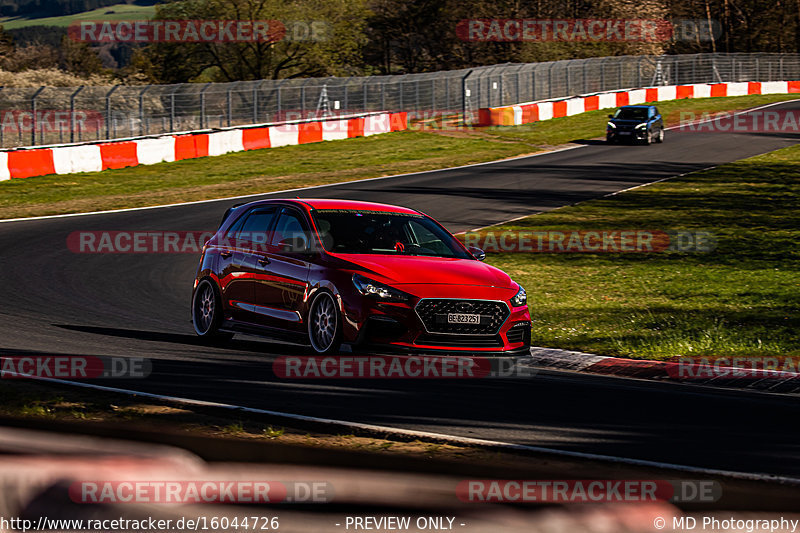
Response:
column 290, row 225
column 253, row 227
column 651, row 112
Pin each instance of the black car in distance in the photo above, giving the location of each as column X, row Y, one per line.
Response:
column 635, row 123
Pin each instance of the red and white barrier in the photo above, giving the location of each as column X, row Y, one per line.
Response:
column 93, row 157
column 526, row 113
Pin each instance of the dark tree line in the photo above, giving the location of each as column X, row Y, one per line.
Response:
column 365, row 37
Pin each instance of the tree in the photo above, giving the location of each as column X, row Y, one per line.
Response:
column 336, row 51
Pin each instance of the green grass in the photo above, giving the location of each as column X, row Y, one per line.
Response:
column 743, row 299
column 313, row 164
column 110, row 13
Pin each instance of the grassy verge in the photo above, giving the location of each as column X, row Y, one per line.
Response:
column 742, row 299
column 313, row 164
column 36, row 400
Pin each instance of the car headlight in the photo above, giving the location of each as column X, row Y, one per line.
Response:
column 372, row 288
column 611, row 125
column 642, row 125
column 520, row 299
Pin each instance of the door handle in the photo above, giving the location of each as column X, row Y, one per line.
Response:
column 263, row 261
column 225, row 254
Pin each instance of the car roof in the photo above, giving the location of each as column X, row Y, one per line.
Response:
column 636, row 106
column 326, row 203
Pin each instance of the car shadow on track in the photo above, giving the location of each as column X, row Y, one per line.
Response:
column 236, row 344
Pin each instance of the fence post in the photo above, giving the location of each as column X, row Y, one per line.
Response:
column 303, row 97
column 639, row 72
column 72, row 113
column 141, row 110
column 108, row 110
column 172, row 108
column 465, row 97
column 203, row 105
column 278, row 101
column 33, row 114
column 585, row 78
column 229, row 104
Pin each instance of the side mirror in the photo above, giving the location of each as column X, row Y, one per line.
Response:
column 297, row 245
column 610, row 116
column 477, row 253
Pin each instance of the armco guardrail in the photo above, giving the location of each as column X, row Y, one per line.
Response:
column 526, row 113
column 92, row 157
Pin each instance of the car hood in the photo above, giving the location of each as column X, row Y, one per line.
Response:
column 414, row 270
column 620, row 122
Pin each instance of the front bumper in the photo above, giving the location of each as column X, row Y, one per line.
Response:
column 398, row 327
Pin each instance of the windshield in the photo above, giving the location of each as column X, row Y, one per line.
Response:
column 631, row 113
column 346, row 231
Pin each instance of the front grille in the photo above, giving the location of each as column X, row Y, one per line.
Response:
column 434, row 315
column 472, row 341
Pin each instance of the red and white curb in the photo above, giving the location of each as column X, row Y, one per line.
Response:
column 113, row 154
column 777, row 381
column 526, row 113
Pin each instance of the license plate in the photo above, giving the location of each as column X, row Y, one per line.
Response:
column 625, row 133
column 463, row 318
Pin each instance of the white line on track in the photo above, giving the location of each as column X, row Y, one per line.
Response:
column 746, row 476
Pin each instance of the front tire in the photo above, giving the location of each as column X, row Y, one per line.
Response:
column 324, row 324
column 207, row 313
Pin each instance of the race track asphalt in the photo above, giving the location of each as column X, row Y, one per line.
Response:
column 58, row 302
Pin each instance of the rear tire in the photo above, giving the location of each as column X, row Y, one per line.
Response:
column 660, row 137
column 207, row 313
column 324, row 324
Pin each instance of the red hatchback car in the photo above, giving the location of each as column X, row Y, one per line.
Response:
column 333, row 272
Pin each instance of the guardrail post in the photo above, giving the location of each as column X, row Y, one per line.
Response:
column 172, row 108
column 108, row 110
column 72, row 114
column 142, row 129
column 33, row 114
column 203, row 105
column 465, row 98
column 229, row 105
